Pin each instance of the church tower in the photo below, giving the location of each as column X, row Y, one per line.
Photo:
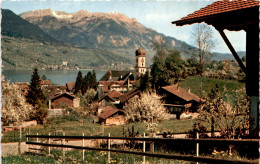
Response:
column 140, row 61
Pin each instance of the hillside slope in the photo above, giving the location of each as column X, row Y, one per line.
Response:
column 14, row 26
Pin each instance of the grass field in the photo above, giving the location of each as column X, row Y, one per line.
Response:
column 199, row 84
column 71, row 126
column 91, row 157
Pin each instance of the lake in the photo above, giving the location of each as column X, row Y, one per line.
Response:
column 60, row 77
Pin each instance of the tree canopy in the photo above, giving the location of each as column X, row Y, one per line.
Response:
column 167, row 66
column 147, row 108
column 35, row 94
column 15, row 109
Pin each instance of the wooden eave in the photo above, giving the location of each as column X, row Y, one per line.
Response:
column 233, row 20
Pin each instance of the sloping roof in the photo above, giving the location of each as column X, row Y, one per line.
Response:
column 116, row 75
column 219, row 11
column 70, row 85
column 60, row 94
column 182, row 93
column 107, row 112
column 108, row 98
column 130, row 94
column 45, row 82
column 107, row 84
column 115, row 94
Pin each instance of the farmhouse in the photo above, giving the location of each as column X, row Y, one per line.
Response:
column 63, row 100
column 111, row 116
column 128, row 96
column 179, row 100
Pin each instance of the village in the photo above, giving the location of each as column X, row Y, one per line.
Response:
column 175, row 110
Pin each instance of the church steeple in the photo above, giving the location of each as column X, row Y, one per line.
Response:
column 140, row 61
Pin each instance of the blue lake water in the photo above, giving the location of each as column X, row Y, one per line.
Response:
column 60, row 77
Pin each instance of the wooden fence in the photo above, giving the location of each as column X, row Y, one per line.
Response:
column 195, row 158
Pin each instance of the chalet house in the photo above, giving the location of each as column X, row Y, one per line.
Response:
column 70, row 86
column 45, row 83
column 111, row 116
column 63, row 100
column 121, row 81
column 128, row 96
column 179, row 100
column 111, row 98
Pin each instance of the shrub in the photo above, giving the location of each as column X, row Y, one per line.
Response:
column 146, row 108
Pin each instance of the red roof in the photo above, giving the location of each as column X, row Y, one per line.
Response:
column 130, row 94
column 60, row 94
column 107, row 112
column 115, row 94
column 45, row 82
column 217, row 8
column 182, row 93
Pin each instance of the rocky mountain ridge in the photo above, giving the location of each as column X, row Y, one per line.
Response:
column 95, row 30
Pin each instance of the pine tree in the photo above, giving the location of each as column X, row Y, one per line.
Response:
column 85, row 85
column 35, row 95
column 145, row 82
column 94, row 80
column 89, row 76
column 78, row 83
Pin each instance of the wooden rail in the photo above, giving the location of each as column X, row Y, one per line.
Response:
column 201, row 140
column 158, row 155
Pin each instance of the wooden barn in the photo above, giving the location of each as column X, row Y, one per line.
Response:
column 179, row 100
column 111, row 116
column 63, row 100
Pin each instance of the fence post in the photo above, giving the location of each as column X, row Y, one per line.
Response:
column 83, row 151
column 37, row 138
column 144, row 150
column 63, row 149
column 49, row 142
column 197, row 146
column 19, row 143
column 108, row 148
column 27, row 144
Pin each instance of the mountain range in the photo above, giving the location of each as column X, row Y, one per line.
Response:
column 108, row 34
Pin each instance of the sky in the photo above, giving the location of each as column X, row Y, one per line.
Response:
column 157, row 15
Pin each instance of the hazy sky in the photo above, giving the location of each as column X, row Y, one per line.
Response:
column 157, row 15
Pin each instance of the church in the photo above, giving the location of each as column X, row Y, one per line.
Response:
column 122, row 81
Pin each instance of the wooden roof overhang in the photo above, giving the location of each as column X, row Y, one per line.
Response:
column 234, row 15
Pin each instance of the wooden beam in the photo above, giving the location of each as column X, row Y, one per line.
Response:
column 223, row 35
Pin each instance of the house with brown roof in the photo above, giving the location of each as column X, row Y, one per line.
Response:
column 121, row 86
column 128, row 96
column 63, row 100
column 111, row 98
column 179, row 100
column 111, row 116
column 45, row 83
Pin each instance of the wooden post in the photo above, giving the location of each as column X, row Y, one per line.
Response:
column 19, row 143
column 63, row 149
column 83, row 151
column 108, row 158
column 37, row 138
column 49, row 148
column 144, row 150
column 240, row 63
column 197, row 146
column 27, row 139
